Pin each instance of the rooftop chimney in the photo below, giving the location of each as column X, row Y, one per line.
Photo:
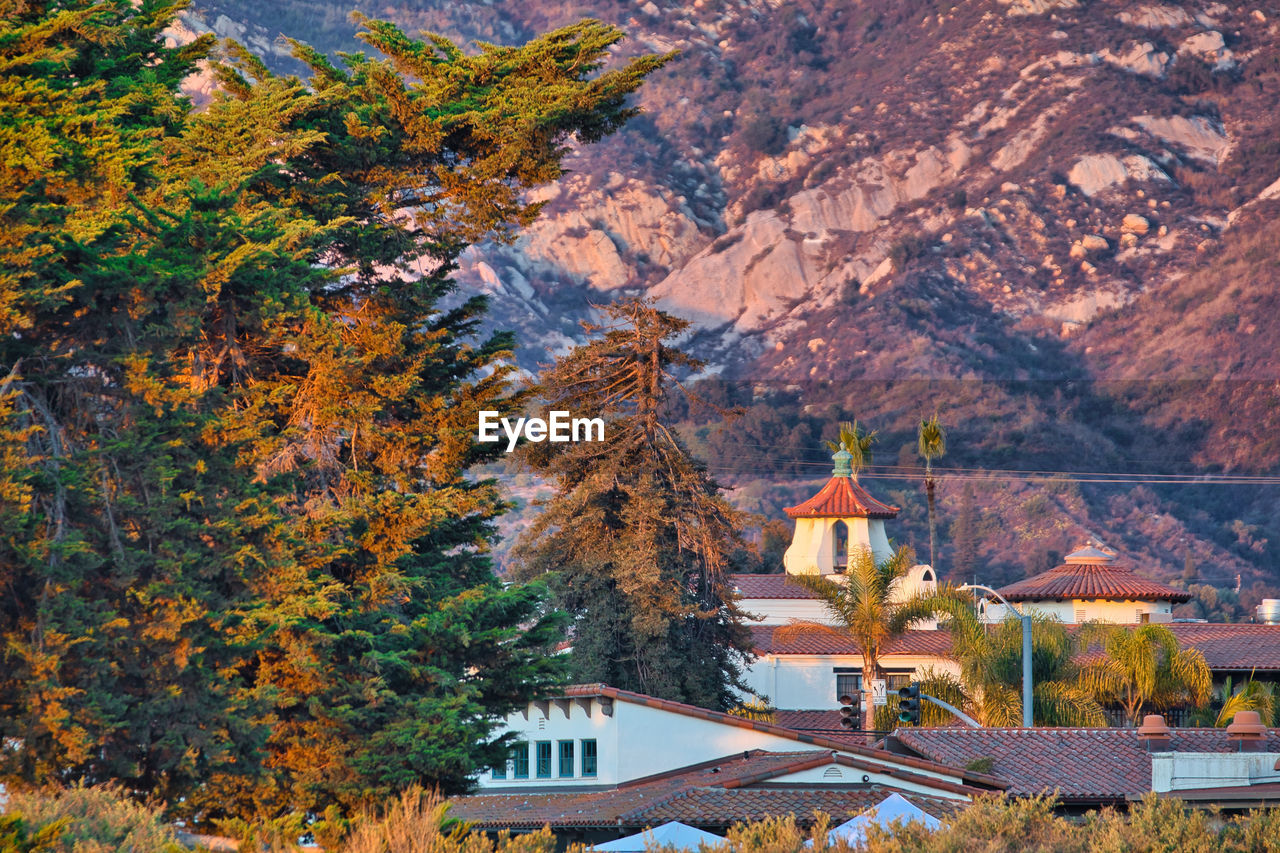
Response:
column 1246, row 732
column 1154, row 733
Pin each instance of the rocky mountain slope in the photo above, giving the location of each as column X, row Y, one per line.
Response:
column 1052, row 220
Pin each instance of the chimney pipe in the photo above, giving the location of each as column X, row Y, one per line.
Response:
column 1246, row 732
column 1155, row 733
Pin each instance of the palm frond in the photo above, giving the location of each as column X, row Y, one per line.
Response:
column 1059, row 704
column 921, row 607
column 931, row 439
column 799, row 628
column 1252, row 696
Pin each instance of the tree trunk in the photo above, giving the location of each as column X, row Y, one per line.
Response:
column 930, row 486
column 868, row 709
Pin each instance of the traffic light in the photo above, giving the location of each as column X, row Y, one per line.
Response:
column 847, row 712
column 909, row 705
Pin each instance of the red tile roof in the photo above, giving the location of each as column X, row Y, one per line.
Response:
column 1232, row 647
column 796, row 640
column 842, row 497
column 768, row 586
column 534, row 808
column 719, row 807
column 820, row 720
column 1081, row 764
column 716, row 793
column 1091, row 574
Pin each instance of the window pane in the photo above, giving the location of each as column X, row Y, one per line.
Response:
column 848, row 684
column 894, row 681
column 520, row 760
column 588, row 758
column 544, row 759
column 566, row 758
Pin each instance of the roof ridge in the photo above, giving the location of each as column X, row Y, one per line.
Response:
column 817, row 740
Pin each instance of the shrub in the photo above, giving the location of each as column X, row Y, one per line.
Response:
column 84, row 820
column 419, row 821
column 765, row 134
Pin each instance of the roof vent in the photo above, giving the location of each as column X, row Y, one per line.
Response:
column 1155, row 733
column 1246, row 732
column 833, row 772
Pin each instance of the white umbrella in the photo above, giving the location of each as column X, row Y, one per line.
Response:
column 891, row 808
column 673, row 834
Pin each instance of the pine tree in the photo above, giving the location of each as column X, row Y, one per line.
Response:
column 637, row 539
column 243, row 567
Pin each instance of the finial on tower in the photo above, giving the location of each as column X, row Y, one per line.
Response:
column 843, row 460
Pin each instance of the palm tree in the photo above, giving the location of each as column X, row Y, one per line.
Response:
column 932, row 444
column 1252, row 696
column 868, row 610
column 991, row 669
column 856, row 443
column 1144, row 667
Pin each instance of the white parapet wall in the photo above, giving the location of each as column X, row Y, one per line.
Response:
column 1183, row 771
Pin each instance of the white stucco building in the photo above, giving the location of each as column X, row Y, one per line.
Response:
column 599, row 736
column 809, row 669
column 1091, row 585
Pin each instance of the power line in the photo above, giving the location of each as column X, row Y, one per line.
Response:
column 900, row 472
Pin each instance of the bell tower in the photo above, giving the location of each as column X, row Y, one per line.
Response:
column 837, row 522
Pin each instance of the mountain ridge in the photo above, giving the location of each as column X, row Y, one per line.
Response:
column 1076, row 196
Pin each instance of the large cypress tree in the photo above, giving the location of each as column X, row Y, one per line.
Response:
column 636, row 542
column 243, row 567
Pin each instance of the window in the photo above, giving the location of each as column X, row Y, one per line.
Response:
column 895, row 681
column 520, row 760
column 840, row 547
column 589, row 758
column 566, row 758
column 544, row 759
column 849, row 683
column 499, row 770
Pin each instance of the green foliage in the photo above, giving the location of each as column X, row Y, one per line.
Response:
column 991, row 669
column 1144, row 667
column 866, row 608
column 857, row 442
column 243, row 569
column 938, row 684
column 637, row 541
column 1252, row 695
column 83, row 819
column 906, row 249
column 754, row 708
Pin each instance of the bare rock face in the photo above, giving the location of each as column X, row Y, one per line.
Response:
column 1199, row 137
column 1154, row 17
column 599, row 240
column 757, row 272
column 1095, row 173
column 1211, row 47
column 1037, row 7
column 1139, row 58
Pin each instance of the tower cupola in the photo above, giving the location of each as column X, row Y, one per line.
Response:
column 833, row 525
